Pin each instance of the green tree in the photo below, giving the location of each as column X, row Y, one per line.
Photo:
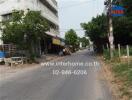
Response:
column 96, row 29
column 128, row 7
column 123, row 25
column 122, row 30
column 84, row 41
column 25, row 30
column 71, row 38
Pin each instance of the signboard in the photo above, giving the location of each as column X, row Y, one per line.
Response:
column 117, row 11
column 56, row 41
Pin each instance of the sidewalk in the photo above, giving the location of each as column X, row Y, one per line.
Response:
column 8, row 71
column 48, row 57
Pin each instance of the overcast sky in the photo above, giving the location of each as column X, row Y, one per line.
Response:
column 74, row 12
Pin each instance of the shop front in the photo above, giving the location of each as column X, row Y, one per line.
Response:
column 52, row 44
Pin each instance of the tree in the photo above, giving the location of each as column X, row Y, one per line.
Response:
column 71, row 38
column 123, row 25
column 128, row 7
column 122, row 31
column 84, row 41
column 25, row 30
column 96, row 29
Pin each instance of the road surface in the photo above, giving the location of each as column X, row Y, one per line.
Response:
column 50, row 82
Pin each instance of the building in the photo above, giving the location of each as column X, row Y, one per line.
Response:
column 48, row 8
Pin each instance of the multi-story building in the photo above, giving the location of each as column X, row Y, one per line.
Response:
column 48, row 10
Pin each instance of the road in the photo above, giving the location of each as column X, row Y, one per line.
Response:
column 45, row 83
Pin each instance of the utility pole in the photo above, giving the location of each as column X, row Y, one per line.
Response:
column 108, row 3
column 111, row 37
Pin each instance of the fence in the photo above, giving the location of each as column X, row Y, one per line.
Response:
column 124, row 53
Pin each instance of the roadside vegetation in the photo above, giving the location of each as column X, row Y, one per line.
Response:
column 84, row 42
column 74, row 42
column 122, row 71
column 71, row 39
column 97, row 30
column 25, row 30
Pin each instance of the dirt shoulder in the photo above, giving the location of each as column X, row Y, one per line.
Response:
column 8, row 71
column 116, row 84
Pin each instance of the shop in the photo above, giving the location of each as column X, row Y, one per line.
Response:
column 52, row 44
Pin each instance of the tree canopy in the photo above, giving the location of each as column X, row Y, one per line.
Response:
column 24, row 29
column 97, row 28
column 71, row 38
column 123, row 25
column 84, row 41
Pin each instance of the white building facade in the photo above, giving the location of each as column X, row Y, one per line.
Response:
column 48, row 8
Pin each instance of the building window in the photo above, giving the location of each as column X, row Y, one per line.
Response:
column 53, row 10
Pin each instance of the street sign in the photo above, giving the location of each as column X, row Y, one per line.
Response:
column 117, row 11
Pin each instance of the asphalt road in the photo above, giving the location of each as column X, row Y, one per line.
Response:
column 67, row 82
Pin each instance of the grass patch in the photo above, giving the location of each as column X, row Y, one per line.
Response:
column 106, row 55
column 124, row 72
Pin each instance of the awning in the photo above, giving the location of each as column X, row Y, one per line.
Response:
column 56, row 39
column 51, row 34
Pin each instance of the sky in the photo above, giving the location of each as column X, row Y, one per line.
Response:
column 74, row 12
